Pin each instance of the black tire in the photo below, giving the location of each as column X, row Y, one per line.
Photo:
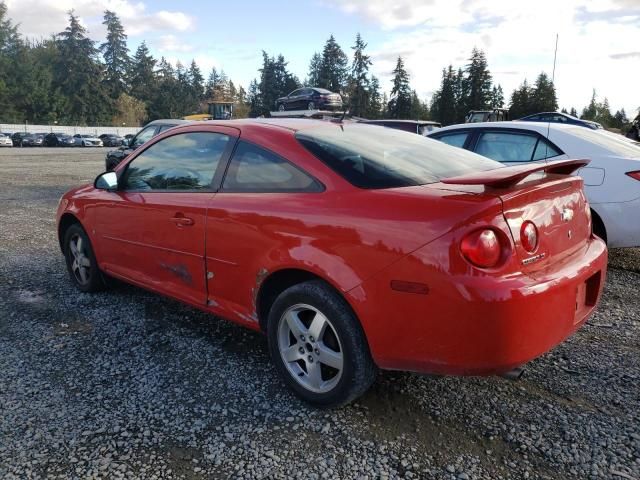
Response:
column 281, row 107
column 597, row 226
column 358, row 370
column 94, row 281
column 311, row 106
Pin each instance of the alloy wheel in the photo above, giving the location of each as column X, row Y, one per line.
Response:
column 310, row 348
column 80, row 264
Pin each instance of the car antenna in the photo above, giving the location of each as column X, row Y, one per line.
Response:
column 553, row 82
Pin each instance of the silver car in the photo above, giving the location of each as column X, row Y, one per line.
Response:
column 86, row 140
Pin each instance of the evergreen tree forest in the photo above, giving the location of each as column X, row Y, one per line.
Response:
column 69, row 78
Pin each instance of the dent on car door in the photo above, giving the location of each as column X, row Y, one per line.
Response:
column 152, row 231
column 256, row 211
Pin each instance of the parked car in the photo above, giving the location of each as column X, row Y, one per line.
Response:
column 56, row 139
column 27, row 140
column 310, row 99
column 612, row 179
column 352, row 246
column 5, row 141
column 86, row 140
column 421, row 127
column 17, row 137
column 111, row 140
column 150, row 130
column 40, row 138
column 559, row 117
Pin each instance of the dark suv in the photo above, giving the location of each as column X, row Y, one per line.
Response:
column 150, row 130
column 310, row 99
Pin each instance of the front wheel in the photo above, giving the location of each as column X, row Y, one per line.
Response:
column 311, row 106
column 81, row 261
column 281, row 107
column 318, row 346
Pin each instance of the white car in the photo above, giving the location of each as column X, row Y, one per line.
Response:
column 5, row 140
column 84, row 140
column 611, row 180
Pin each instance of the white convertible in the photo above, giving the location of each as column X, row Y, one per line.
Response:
column 611, row 180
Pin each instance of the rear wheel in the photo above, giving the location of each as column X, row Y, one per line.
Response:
column 318, row 346
column 81, row 262
column 597, row 226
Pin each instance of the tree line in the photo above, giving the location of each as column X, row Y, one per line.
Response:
column 69, row 78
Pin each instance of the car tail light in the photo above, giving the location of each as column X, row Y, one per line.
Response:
column 529, row 236
column 634, row 175
column 482, row 248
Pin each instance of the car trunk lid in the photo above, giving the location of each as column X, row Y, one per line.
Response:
column 544, row 194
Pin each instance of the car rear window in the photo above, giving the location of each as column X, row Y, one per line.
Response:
column 369, row 157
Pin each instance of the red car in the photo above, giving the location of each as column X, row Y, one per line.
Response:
column 353, row 247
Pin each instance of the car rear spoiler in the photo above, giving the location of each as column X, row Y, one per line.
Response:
column 509, row 176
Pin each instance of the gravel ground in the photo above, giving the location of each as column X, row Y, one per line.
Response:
column 127, row 384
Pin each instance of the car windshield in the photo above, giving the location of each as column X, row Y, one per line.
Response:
column 613, row 142
column 371, row 157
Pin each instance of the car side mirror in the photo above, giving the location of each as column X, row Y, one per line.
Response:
column 107, row 181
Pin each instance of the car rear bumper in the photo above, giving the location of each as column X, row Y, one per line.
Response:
column 621, row 221
column 473, row 325
column 330, row 105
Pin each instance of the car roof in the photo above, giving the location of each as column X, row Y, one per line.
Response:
column 293, row 124
column 514, row 125
column 392, row 120
column 168, row 121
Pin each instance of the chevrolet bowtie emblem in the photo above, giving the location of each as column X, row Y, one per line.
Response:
column 567, row 214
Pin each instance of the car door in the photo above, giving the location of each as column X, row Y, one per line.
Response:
column 152, row 229
column 260, row 191
column 514, row 146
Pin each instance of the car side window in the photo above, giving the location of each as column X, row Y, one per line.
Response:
column 545, row 150
column 506, row 146
column 454, row 139
column 254, row 169
column 186, row 161
column 295, row 93
column 164, row 128
column 143, row 136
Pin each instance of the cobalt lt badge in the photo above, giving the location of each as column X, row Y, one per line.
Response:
column 567, row 214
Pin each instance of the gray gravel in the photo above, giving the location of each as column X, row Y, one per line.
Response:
column 127, row 384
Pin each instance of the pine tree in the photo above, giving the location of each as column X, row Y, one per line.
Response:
column 497, row 97
column 520, row 101
column 573, row 112
column 543, row 97
column 400, row 103
column 315, row 65
column 116, row 55
column 196, row 86
column 374, row 109
column 212, row 81
column 477, row 82
column 620, row 119
column 78, row 74
column 359, row 94
column 141, row 74
column 444, row 103
column 333, row 67
column 590, row 112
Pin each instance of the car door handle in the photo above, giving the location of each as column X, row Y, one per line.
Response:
column 182, row 221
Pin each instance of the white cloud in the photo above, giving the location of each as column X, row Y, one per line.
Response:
column 41, row 18
column 171, row 43
column 518, row 38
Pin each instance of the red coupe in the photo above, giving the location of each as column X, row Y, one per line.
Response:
column 351, row 246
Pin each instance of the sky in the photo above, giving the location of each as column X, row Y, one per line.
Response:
column 598, row 45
